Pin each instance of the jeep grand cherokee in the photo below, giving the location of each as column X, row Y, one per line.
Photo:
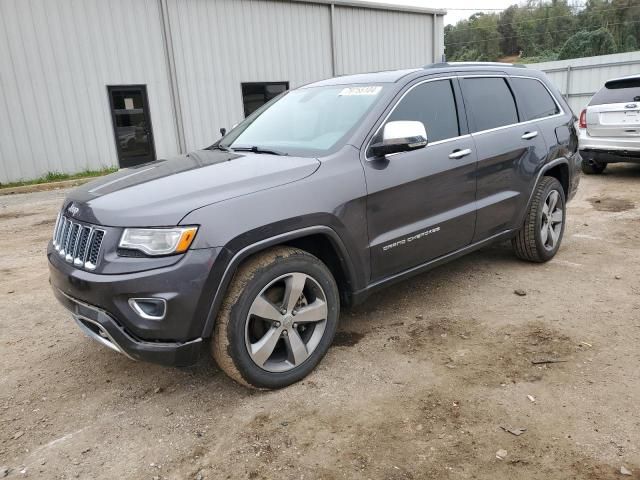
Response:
column 316, row 200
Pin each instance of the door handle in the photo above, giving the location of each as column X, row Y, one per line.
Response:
column 529, row 135
column 456, row 154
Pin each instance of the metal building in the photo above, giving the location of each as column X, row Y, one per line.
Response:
column 89, row 84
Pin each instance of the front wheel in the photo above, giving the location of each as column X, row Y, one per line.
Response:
column 278, row 319
column 538, row 240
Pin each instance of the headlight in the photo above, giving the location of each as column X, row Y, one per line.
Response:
column 158, row 241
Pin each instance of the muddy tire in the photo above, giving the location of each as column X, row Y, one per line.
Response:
column 278, row 319
column 539, row 239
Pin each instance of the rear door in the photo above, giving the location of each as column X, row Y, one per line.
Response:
column 421, row 204
column 509, row 153
column 615, row 110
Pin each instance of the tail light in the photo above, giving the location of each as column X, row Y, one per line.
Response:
column 583, row 119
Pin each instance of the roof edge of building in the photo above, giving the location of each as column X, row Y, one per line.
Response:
column 377, row 6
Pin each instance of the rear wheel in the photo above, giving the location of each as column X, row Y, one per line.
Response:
column 538, row 240
column 592, row 167
column 278, row 319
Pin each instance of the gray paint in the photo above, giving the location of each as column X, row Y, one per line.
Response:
column 58, row 56
column 246, row 202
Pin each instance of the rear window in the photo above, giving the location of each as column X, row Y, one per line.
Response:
column 490, row 102
column 535, row 99
column 618, row 91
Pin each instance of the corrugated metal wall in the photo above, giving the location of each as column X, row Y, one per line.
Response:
column 369, row 40
column 581, row 78
column 56, row 58
column 220, row 44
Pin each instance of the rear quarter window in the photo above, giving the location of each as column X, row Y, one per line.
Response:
column 534, row 99
column 618, row 91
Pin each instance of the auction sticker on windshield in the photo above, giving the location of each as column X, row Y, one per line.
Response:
column 369, row 90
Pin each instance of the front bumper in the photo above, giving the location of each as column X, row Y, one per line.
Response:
column 103, row 328
column 100, row 303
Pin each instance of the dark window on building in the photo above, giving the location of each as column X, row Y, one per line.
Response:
column 131, row 124
column 433, row 104
column 490, row 103
column 534, row 98
column 254, row 95
column 618, row 91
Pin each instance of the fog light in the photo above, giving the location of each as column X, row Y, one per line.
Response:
column 149, row 308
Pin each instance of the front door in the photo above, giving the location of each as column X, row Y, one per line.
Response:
column 131, row 124
column 421, row 204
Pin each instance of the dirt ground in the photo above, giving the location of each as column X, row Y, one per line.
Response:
column 419, row 384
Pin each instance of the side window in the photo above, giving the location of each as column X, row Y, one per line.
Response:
column 534, row 98
column 433, row 104
column 489, row 102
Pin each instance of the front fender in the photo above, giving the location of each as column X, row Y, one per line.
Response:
column 331, row 202
column 221, row 276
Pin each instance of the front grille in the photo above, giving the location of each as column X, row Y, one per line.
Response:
column 77, row 243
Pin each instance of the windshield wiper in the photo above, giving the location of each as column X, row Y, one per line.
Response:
column 256, row 149
column 218, row 146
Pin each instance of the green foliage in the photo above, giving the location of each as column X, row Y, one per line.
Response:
column 546, row 30
column 588, row 44
column 544, row 56
column 58, row 177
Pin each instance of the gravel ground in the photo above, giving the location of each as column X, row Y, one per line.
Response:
column 420, row 383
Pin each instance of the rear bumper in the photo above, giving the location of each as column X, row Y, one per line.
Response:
column 103, row 328
column 610, row 156
column 611, row 149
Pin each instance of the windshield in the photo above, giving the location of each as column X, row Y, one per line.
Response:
column 305, row 122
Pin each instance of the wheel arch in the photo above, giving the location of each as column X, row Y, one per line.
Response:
column 552, row 168
column 560, row 172
column 559, row 166
column 321, row 241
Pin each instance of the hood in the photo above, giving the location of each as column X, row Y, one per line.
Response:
column 161, row 193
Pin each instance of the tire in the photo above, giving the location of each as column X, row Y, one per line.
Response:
column 591, row 167
column 240, row 332
column 530, row 243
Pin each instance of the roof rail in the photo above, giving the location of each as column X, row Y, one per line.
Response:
column 474, row 64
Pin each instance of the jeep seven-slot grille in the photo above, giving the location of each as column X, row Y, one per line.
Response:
column 77, row 243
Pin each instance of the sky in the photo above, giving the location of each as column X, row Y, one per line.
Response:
column 454, row 15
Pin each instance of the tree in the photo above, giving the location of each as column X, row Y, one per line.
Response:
column 630, row 43
column 508, row 39
column 588, row 44
column 543, row 29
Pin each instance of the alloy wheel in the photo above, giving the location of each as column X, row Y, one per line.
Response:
column 286, row 322
column 552, row 218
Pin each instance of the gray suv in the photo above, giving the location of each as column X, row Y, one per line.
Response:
column 315, row 201
column 610, row 125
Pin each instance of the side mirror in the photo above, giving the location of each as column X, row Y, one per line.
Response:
column 401, row 136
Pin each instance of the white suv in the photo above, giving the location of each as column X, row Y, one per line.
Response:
column 610, row 125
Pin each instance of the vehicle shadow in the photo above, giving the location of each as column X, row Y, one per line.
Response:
column 624, row 171
column 444, row 277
